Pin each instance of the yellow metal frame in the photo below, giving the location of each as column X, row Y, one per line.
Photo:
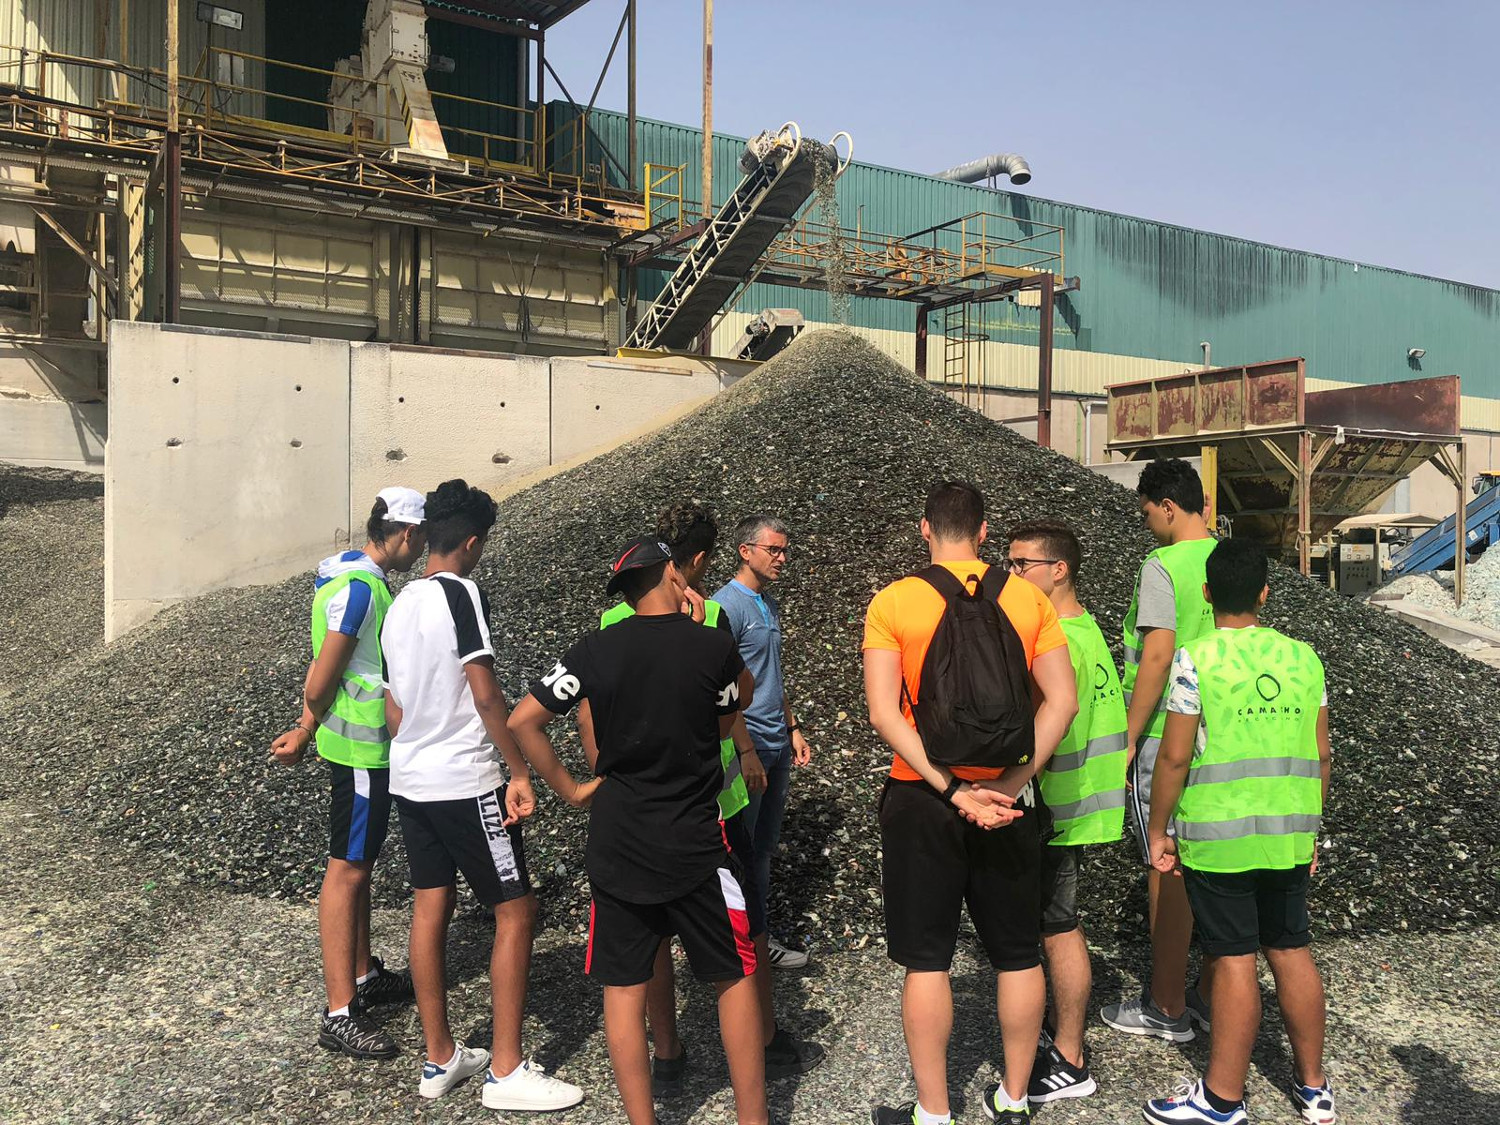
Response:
column 659, row 179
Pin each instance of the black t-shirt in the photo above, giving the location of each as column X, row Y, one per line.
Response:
column 657, row 687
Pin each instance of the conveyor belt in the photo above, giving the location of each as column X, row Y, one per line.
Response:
column 774, row 189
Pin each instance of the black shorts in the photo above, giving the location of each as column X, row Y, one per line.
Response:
column 446, row 837
column 359, row 812
column 742, row 847
column 935, row 862
column 710, row 920
column 1060, row 863
column 1240, row 912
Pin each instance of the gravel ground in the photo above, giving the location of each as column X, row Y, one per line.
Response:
column 162, row 738
column 126, row 998
column 52, row 557
column 1435, row 590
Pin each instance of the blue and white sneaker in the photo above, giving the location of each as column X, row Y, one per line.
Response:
column 1315, row 1103
column 466, row 1062
column 1188, row 1105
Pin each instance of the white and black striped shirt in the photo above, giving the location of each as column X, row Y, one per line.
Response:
column 434, row 627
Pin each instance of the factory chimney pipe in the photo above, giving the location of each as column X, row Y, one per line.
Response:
column 1007, row 163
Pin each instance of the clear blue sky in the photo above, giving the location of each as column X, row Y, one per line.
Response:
column 1368, row 131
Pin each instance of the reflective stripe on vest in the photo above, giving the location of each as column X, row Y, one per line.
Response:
column 1254, row 793
column 733, row 797
column 357, row 690
column 1084, row 782
column 1184, row 563
column 353, row 732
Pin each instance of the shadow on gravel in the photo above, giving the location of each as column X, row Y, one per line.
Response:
column 44, row 486
column 1442, row 1095
column 708, row 1072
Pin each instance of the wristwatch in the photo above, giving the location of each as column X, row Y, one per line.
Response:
column 953, row 787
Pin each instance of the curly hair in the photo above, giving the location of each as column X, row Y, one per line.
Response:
column 455, row 511
column 688, row 528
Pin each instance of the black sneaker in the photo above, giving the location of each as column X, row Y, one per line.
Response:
column 894, row 1115
column 356, row 1035
column 1020, row 1115
column 786, row 1055
column 668, row 1070
column 1053, row 1078
column 385, row 987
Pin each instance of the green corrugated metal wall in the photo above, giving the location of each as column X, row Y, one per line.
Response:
column 1151, row 289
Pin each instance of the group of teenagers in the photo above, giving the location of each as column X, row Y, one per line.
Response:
column 1016, row 745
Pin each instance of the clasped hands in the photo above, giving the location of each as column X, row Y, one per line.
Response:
column 988, row 804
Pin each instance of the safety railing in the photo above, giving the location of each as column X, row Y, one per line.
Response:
column 664, row 203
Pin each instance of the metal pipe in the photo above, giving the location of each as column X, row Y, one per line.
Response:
column 708, row 108
column 633, row 159
column 1208, row 351
column 1001, row 163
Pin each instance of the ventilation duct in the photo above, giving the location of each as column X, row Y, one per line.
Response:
column 1002, row 163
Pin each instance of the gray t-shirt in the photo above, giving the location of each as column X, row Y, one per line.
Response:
column 1157, row 606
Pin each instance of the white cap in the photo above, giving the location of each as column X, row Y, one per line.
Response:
column 403, row 505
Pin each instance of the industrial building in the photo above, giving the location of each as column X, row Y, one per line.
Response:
column 395, row 198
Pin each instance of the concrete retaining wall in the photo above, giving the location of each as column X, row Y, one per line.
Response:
column 238, row 458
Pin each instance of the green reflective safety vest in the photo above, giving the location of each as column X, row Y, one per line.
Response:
column 1184, row 563
column 1084, row 782
column 734, row 796
column 1254, row 793
column 353, row 732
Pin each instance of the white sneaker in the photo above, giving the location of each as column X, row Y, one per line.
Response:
column 784, row 958
column 438, row 1080
column 528, row 1088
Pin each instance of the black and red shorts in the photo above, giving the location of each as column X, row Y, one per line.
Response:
column 710, row 920
column 469, row 835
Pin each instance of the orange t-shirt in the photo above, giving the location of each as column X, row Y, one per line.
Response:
column 904, row 616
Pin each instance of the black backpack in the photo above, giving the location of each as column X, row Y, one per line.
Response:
column 976, row 705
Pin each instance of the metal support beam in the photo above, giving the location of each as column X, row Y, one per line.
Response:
column 1454, row 464
column 1209, row 475
column 921, row 356
column 1044, row 368
column 1304, row 501
column 172, row 181
column 708, row 108
column 82, row 251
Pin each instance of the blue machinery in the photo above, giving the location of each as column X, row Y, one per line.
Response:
column 1438, row 546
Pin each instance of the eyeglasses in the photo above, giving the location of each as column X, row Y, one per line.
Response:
column 774, row 552
column 1021, row 566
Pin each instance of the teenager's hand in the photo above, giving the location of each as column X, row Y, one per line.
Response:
column 1164, row 855
column 983, row 809
column 801, row 751
column 754, row 770
column 289, row 747
column 583, row 792
column 520, row 800
column 692, row 605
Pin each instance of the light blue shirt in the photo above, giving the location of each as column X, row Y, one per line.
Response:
column 755, row 620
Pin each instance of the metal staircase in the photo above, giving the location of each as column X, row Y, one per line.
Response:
column 780, row 172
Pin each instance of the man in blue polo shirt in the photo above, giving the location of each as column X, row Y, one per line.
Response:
column 755, row 618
